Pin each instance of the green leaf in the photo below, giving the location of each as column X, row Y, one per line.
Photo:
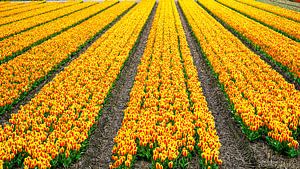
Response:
column 183, row 163
column 67, row 162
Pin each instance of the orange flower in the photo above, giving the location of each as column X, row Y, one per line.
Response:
column 170, row 164
column 260, row 95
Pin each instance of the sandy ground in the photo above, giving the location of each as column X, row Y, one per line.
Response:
column 283, row 3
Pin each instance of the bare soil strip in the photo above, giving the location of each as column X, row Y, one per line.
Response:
column 98, row 154
column 7, row 115
column 284, row 4
column 268, row 158
column 236, row 150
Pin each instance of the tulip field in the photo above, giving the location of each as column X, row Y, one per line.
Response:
column 149, row 84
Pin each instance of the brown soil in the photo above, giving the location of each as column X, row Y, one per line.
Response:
column 236, row 150
column 98, row 154
column 268, row 158
column 194, row 163
column 284, row 4
column 142, row 165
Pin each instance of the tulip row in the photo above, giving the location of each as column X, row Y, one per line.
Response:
column 285, row 26
column 283, row 51
column 23, row 25
column 28, row 7
column 47, row 8
column 16, row 44
column 293, row 15
column 262, row 101
column 5, row 6
column 53, row 127
column 24, row 72
column 167, row 118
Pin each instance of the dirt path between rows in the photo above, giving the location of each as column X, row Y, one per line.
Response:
column 98, row 154
column 236, row 150
column 284, row 4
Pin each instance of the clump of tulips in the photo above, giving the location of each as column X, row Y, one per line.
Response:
column 284, row 51
column 53, row 127
column 26, row 71
column 167, row 119
column 263, row 102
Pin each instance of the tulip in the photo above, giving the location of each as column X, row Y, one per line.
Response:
column 127, row 163
column 170, row 164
